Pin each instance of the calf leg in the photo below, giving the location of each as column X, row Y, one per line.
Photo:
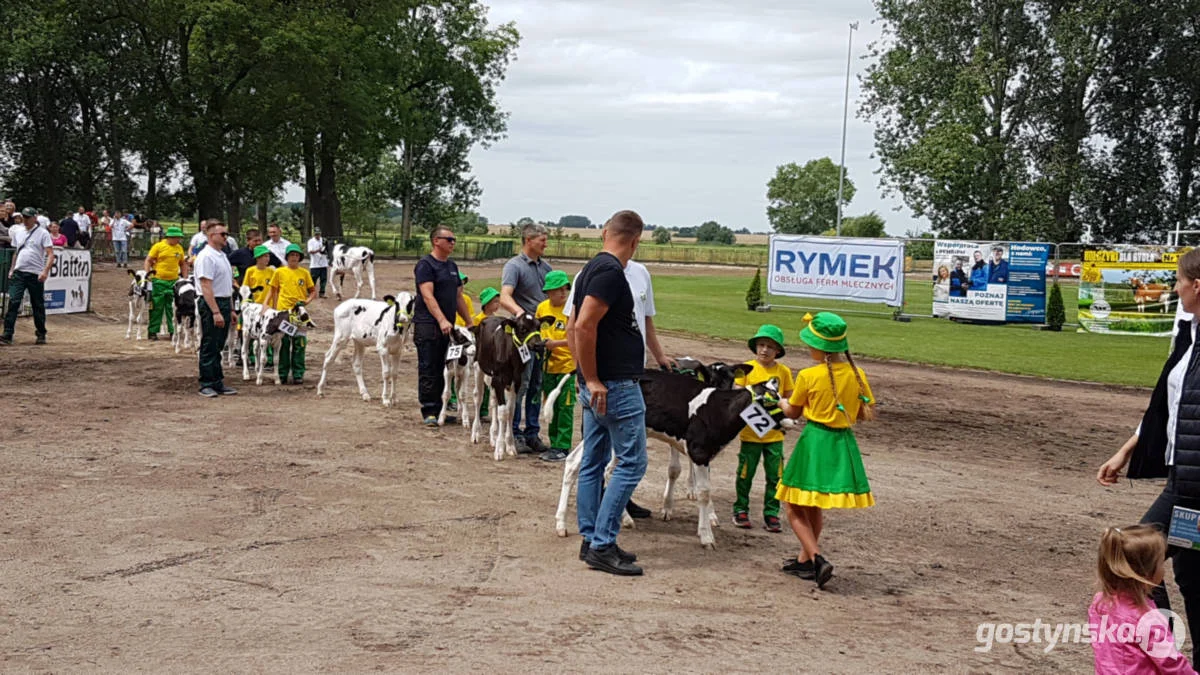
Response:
column 331, row 354
column 358, row 373
column 260, row 359
column 476, row 426
column 448, row 376
column 673, row 471
column 357, row 280
column 570, row 475
column 388, row 389
column 466, row 395
column 246, row 344
column 370, row 265
column 706, row 514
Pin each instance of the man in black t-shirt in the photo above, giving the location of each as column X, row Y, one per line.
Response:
column 603, row 335
column 439, row 298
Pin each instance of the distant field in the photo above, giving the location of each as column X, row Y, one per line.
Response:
column 745, row 239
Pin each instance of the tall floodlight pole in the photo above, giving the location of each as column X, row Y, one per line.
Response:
column 845, row 117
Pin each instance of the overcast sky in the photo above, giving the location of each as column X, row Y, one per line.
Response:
column 678, row 109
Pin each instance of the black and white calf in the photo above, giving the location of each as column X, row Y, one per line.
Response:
column 503, row 346
column 267, row 330
column 248, row 312
column 141, row 288
column 460, row 374
column 696, row 416
column 358, row 260
column 371, row 323
column 187, row 318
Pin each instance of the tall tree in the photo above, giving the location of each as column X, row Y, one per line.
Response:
column 803, row 199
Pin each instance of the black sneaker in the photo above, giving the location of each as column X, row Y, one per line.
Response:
column 40, row 341
column 638, row 512
column 209, row 392
column 624, row 555
column 607, row 560
column 523, row 447
column 536, row 445
column 226, row 391
column 553, row 455
column 824, row 571
column 804, row 570
column 4, row 340
column 154, row 337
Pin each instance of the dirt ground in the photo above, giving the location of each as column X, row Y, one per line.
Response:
column 147, row 529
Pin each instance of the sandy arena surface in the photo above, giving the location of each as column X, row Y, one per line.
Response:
column 147, row 529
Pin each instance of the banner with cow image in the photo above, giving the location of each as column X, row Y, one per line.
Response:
column 69, row 285
column 1128, row 290
column 990, row 281
column 837, row 268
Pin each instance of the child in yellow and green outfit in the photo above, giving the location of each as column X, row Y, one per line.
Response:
column 260, row 275
column 291, row 286
column 560, row 364
column 825, row 470
column 169, row 262
column 767, row 345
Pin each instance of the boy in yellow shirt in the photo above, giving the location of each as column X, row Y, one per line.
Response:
column 767, row 345
column 462, row 283
column 291, row 286
column 169, row 262
column 560, row 364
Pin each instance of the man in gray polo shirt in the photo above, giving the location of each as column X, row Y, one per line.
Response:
column 520, row 292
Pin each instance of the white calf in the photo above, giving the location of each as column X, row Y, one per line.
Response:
column 140, row 290
column 357, row 260
column 266, row 330
column 371, row 323
column 459, row 373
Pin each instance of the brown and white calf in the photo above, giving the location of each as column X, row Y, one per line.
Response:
column 503, row 346
column 359, row 261
column 459, row 375
column 696, row 416
column 141, row 289
column 371, row 323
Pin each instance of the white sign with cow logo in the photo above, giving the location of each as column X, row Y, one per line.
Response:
column 69, row 285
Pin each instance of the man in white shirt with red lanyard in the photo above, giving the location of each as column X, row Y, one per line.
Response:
column 30, row 269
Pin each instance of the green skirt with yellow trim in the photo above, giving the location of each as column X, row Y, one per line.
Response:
column 826, row 471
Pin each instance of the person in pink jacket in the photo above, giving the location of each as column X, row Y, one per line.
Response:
column 1129, row 635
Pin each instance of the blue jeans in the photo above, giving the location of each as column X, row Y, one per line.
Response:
column 623, row 429
column 531, row 394
column 121, row 250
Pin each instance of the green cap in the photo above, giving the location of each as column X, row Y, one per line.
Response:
column 462, row 278
column 293, row 248
column 826, row 331
column 487, row 295
column 29, row 212
column 771, row 332
column 174, row 232
column 261, row 250
column 555, row 280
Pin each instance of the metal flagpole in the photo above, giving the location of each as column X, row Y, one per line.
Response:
column 845, row 117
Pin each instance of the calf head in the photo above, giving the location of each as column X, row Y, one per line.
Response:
column 246, row 292
column 526, row 330
column 298, row 315
column 404, row 303
column 717, row 374
column 142, row 283
column 465, row 337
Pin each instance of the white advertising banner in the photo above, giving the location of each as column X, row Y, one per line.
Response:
column 836, row 268
column 66, row 290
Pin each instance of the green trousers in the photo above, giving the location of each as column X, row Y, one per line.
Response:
column 772, row 459
column 562, row 424
column 291, row 357
column 162, row 301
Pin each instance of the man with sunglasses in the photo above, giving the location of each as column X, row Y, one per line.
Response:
column 216, row 307
column 439, row 298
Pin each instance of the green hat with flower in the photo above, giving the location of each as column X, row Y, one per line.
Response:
column 771, row 332
column 826, row 331
column 556, row 280
column 487, row 295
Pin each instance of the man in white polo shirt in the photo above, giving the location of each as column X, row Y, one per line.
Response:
column 216, row 288
column 30, row 269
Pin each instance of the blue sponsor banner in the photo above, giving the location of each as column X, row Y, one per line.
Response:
column 994, row 282
column 862, row 270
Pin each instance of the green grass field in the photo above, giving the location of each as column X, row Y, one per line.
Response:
column 714, row 306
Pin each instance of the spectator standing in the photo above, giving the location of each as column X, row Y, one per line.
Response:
column 56, row 236
column 246, row 257
column 318, row 262
column 199, row 240
column 216, row 307
column 120, row 239
column 439, row 297
column 84, row 221
column 520, row 293
column 276, row 243
column 169, row 263
column 30, row 269
column 70, row 229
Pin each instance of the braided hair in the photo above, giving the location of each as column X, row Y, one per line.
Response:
column 865, row 411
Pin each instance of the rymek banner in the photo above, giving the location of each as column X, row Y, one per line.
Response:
column 862, row 270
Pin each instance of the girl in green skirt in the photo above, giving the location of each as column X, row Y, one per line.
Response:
column 825, row 470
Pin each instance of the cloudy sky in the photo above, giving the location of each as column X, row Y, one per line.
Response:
column 679, row 109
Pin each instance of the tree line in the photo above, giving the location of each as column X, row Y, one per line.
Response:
column 218, row 104
column 1047, row 120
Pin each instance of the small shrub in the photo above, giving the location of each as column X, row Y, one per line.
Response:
column 754, row 294
column 1056, row 315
